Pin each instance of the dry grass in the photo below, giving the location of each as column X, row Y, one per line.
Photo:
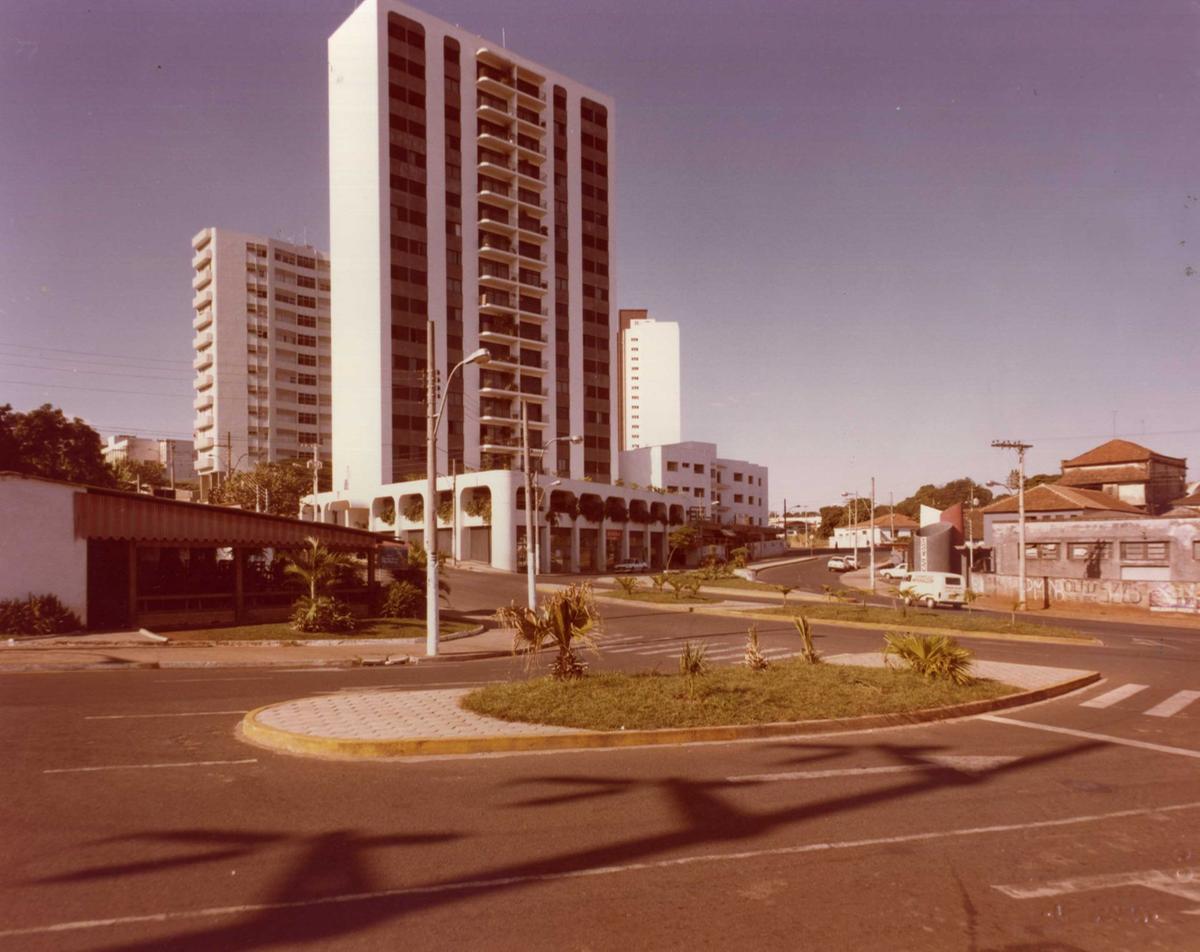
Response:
column 787, row 691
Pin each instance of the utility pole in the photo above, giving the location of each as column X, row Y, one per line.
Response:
column 871, row 529
column 315, row 465
column 1020, row 448
column 432, row 619
column 530, row 543
column 453, row 508
column 786, row 544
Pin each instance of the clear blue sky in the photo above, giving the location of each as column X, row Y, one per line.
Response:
column 891, row 232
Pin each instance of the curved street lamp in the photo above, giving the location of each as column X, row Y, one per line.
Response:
column 531, row 520
column 434, row 418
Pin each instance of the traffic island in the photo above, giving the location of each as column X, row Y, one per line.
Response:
column 393, row 724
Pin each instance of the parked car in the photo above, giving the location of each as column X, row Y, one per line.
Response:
column 631, row 566
column 841, row 563
column 932, row 589
column 894, row 572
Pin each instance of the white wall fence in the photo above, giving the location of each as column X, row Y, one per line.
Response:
column 1151, row 596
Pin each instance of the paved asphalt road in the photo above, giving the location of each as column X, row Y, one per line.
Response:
column 132, row 817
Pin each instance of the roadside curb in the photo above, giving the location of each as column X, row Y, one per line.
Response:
column 274, row 738
column 839, row 623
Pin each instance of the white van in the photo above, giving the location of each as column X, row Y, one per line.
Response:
column 932, row 589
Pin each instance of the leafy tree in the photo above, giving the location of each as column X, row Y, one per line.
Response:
column 274, row 487
column 683, row 538
column 132, row 473
column 943, row 497
column 43, row 442
column 831, row 518
column 317, row 567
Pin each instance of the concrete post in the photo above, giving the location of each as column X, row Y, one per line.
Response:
column 574, row 545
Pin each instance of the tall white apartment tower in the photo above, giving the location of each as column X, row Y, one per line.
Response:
column 649, row 398
column 471, row 187
column 262, row 353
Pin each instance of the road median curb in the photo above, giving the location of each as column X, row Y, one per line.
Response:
column 256, row 732
column 750, row 613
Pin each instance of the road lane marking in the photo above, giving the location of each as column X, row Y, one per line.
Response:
column 200, row 680
column 192, row 763
column 518, row 880
column 1106, row 738
column 965, row 764
column 1174, row 704
column 1183, row 883
column 124, row 717
column 1109, row 698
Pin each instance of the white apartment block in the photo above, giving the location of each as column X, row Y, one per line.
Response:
column 263, row 380
column 177, row 457
column 651, row 412
column 470, row 187
column 724, row 490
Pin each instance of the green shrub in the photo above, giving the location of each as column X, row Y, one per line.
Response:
column 755, row 659
column 628, row 585
column 37, row 615
column 692, row 665
column 403, row 600
column 321, row 614
column 741, row 556
column 804, row 630
column 934, row 657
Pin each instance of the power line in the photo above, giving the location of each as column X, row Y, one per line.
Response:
column 97, row 373
column 57, row 386
column 135, row 358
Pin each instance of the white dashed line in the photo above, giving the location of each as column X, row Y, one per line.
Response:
column 1088, row 735
column 1174, row 704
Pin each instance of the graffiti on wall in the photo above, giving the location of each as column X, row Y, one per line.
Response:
column 1155, row 596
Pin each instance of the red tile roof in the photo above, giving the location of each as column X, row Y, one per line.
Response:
column 1118, row 451
column 1054, row 497
column 885, row 522
column 1103, row 474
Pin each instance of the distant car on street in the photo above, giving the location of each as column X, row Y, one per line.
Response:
column 631, row 566
column 841, row 563
column 894, row 572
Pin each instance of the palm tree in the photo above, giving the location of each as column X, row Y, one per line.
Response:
column 317, row 567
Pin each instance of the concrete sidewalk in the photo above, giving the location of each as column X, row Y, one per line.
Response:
column 114, row 652
column 408, row 723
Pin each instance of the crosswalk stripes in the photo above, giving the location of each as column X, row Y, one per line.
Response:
column 1175, row 704
column 1109, row 698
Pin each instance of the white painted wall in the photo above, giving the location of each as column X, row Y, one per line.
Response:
column 358, row 228
column 39, row 553
column 653, row 415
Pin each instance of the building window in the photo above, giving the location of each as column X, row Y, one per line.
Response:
column 737, row 497
column 1196, row 549
column 1088, row 551
column 1042, row 550
column 698, row 493
column 737, row 477
column 699, row 469
column 1143, row 551
column 672, row 466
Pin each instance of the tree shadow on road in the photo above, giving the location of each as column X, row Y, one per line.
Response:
column 331, row 889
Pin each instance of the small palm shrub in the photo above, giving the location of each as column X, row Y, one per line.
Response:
column 784, row 590
column 677, row 582
column 807, row 651
column 934, row 657
column 692, row 665
column 37, row 615
column 403, row 600
column 690, row 585
column 567, row 619
column 321, row 614
column 628, row 585
column 658, row 580
column 755, row 659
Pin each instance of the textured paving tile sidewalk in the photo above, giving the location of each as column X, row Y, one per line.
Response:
column 379, row 715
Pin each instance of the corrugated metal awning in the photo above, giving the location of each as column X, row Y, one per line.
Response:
column 128, row 516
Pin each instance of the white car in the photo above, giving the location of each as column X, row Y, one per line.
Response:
column 841, row 563
column 894, row 572
column 631, row 566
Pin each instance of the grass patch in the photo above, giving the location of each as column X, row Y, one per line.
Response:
column 649, row 595
column 743, row 583
column 282, row 631
column 787, row 691
column 956, row 619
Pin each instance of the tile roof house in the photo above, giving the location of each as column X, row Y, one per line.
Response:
column 1129, row 472
column 1054, row 501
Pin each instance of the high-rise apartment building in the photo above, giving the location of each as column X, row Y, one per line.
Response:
column 263, row 381
column 177, row 457
column 473, row 188
column 650, row 408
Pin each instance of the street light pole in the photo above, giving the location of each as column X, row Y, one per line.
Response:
column 531, row 520
column 1020, row 448
column 433, row 418
column 871, row 530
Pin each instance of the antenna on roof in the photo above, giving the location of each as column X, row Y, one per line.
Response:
column 503, row 41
